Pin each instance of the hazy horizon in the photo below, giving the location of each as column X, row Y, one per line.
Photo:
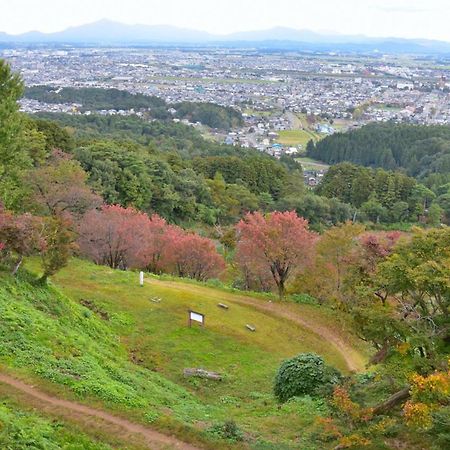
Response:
column 374, row 18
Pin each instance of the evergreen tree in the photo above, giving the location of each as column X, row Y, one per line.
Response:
column 13, row 156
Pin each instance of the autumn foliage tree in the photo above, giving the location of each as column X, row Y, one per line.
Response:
column 26, row 235
column 113, row 236
column 279, row 244
column 126, row 238
column 59, row 187
column 415, row 278
column 20, row 236
column 193, row 256
column 157, row 237
column 334, row 254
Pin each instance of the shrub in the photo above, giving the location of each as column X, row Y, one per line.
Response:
column 441, row 427
column 227, row 430
column 304, row 299
column 304, row 374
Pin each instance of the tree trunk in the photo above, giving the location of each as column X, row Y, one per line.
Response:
column 380, row 355
column 281, row 289
column 17, row 265
column 392, row 401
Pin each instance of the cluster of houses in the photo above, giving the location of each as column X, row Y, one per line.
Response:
column 268, row 91
column 328, row 87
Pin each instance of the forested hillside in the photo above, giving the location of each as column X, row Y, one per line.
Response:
column 214, row 116
column 422, row 152
column 95, row 99
column 418, row 149
column 380, row 195
column 168, row 168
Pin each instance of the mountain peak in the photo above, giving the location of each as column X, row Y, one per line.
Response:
column 112, row 32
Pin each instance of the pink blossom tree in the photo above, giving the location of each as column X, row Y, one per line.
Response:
column 279, row 243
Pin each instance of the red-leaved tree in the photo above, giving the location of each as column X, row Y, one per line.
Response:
column 125, row 238
column 113, row 236
column 156, row 245
column 374, row 248
column 279, row 243
column 20, row 236
column 193, row 256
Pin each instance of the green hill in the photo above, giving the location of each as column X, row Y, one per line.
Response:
column 100, row 339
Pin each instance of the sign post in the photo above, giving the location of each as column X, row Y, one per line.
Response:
column 141, row 278
column 195, row 317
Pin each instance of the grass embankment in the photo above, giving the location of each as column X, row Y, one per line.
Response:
column 22, row 429
column 47, row 338
column 126, row 353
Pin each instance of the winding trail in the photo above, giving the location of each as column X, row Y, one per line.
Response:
column 154, row 439
column 354, row 361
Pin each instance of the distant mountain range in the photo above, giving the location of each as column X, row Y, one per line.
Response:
column 107, row 32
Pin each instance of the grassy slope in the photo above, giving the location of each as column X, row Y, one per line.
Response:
column 45, row 335
column 22, row 430
column 88, row 357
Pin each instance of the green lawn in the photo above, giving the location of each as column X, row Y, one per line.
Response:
column 127, row 352
column 311, row 164
column 296, row 137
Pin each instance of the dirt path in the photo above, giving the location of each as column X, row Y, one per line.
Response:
column 153, row 439
column 354, row 361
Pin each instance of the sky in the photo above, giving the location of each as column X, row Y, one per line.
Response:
column 387, row 18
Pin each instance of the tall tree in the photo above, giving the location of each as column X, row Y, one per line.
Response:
column 13, row 158
column 417, row 277
column 280, row 242
column 60, row 187
column 20, row 236
column 193, row 256
column 334, row 255
column 113, row 236
column 59, row 244
column 125, row 238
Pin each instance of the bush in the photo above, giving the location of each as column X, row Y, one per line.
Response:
column 441, row 428
column 227, row 430
column 304, row 299
column 306, row 373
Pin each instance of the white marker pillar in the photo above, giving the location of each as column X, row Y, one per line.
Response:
column 141, row 278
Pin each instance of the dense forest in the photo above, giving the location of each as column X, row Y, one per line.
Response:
column 420, row 151
column 168, row 168
column 380, row 195
column 96, row 99
column 214, row 116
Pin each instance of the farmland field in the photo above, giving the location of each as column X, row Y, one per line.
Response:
column 296, row 137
